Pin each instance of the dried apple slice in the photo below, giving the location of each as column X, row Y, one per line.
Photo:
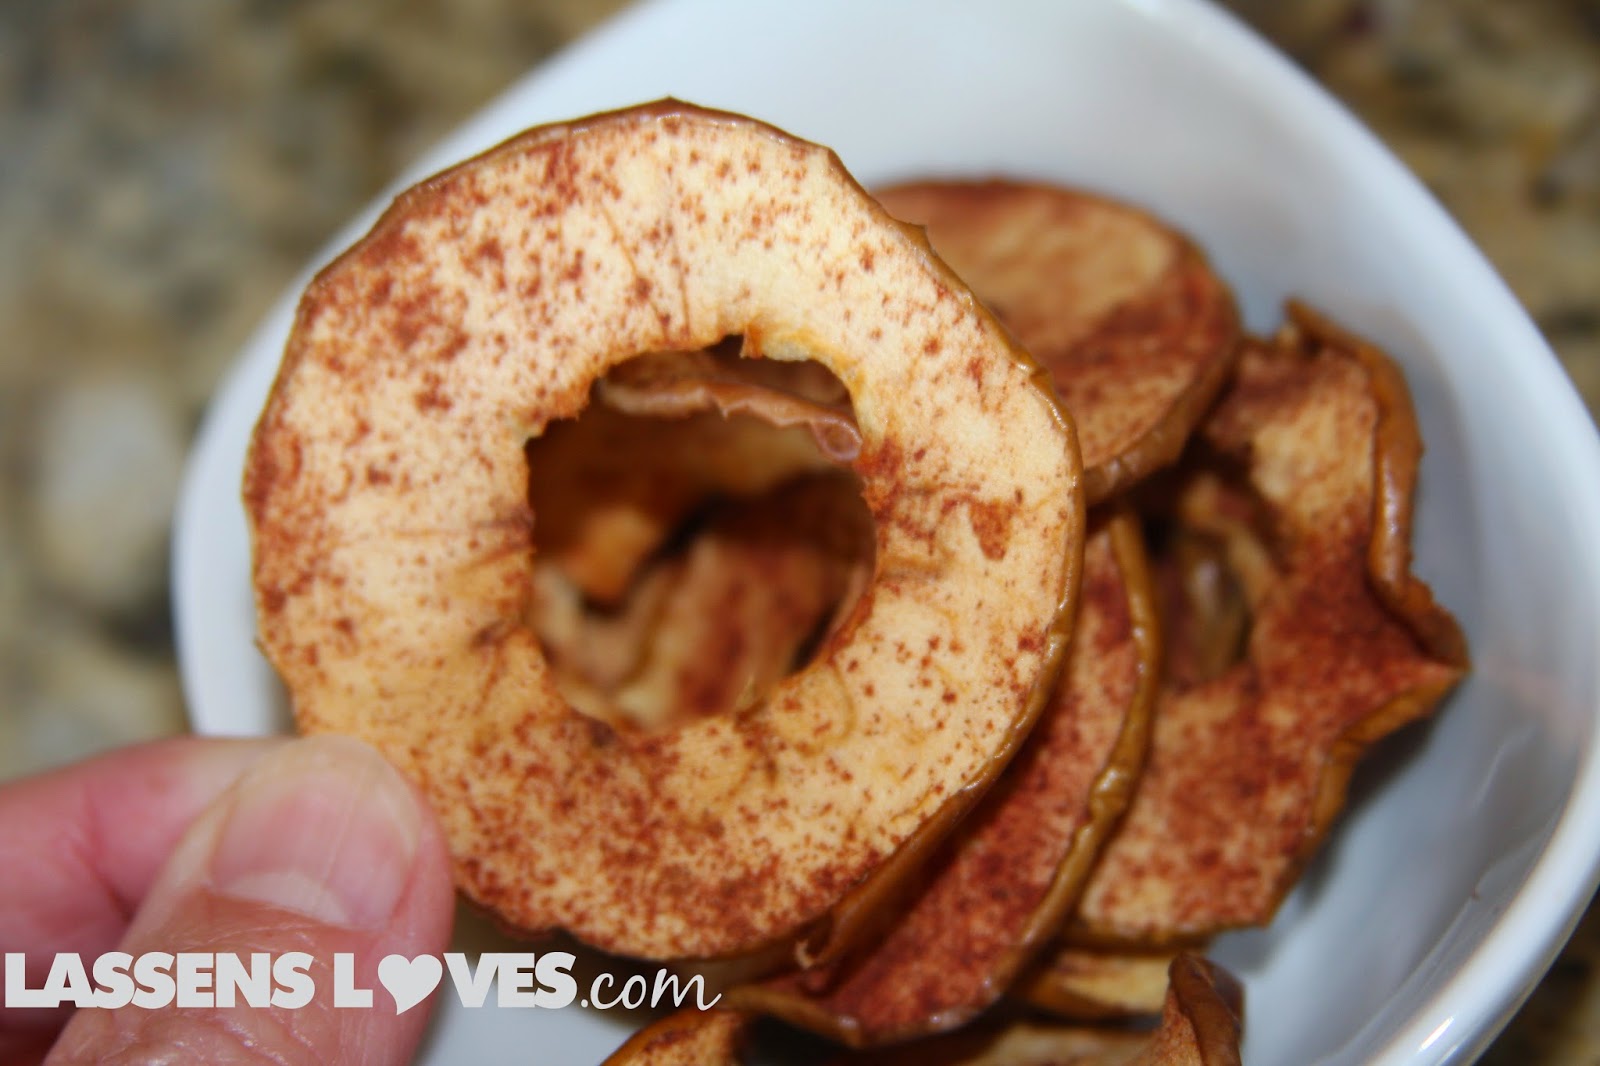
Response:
column 689, row 1037
column 1124, row 312
column 675, row 384
column 594, row 652
column 1202, row 1021
column 1005, row 881
column 1084, row 984
column 387, row 489
column 1303, row 475
column 1201, row 1025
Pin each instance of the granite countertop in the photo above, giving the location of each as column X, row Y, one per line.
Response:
column 170, row 164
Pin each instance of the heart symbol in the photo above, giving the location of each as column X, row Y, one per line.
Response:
column 409, row 980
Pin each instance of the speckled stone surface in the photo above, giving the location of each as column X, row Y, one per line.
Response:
column 169, row 164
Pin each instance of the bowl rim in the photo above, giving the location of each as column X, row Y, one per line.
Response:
column 1468, row 1008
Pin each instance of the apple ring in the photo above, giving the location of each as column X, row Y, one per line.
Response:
column 1137, row 330
column 1083, row 984
column 1202, row 1024
column 387, row 490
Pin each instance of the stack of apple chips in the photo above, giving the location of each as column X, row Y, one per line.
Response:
column 1247, row 625
column 931, row 734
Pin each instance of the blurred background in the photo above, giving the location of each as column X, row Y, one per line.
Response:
column 166, row 166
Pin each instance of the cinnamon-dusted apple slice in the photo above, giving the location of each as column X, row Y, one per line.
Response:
column 1201, row 1025
column 387, row 489
column 1124, row 312
column 1303, row 475
column 688, row 1037
column 1204, row 620
column 1005, row 881
column 1084, row 984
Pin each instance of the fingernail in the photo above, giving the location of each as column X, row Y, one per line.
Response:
column 323, row 827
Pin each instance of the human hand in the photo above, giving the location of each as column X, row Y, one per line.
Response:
column 314, row 845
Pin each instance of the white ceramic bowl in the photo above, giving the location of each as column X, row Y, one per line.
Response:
column 1446, row 893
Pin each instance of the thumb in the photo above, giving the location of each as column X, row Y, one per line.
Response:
column 321, row 847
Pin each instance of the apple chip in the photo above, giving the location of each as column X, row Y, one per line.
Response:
column 1303, row 476
column 388, row 487
column 594, row 651
column 1124, row 312
column 1201, row 1025
column 1005, row 881
column 688, row 1037
column 1084, row 984
column 675, row 384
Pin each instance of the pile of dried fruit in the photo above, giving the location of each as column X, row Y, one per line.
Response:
column 722, row 563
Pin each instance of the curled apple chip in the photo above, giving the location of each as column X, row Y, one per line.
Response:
column 388, row 492
column 786, row 394
column 1005, row 880
column 1201, row 1025
column 1085, row 984
column 593, row 652
column 688, row 1037
column 1124, row 312
column 1202, row 1020
column 1302, row 476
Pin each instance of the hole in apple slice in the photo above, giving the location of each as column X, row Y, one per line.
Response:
column 699, row 537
